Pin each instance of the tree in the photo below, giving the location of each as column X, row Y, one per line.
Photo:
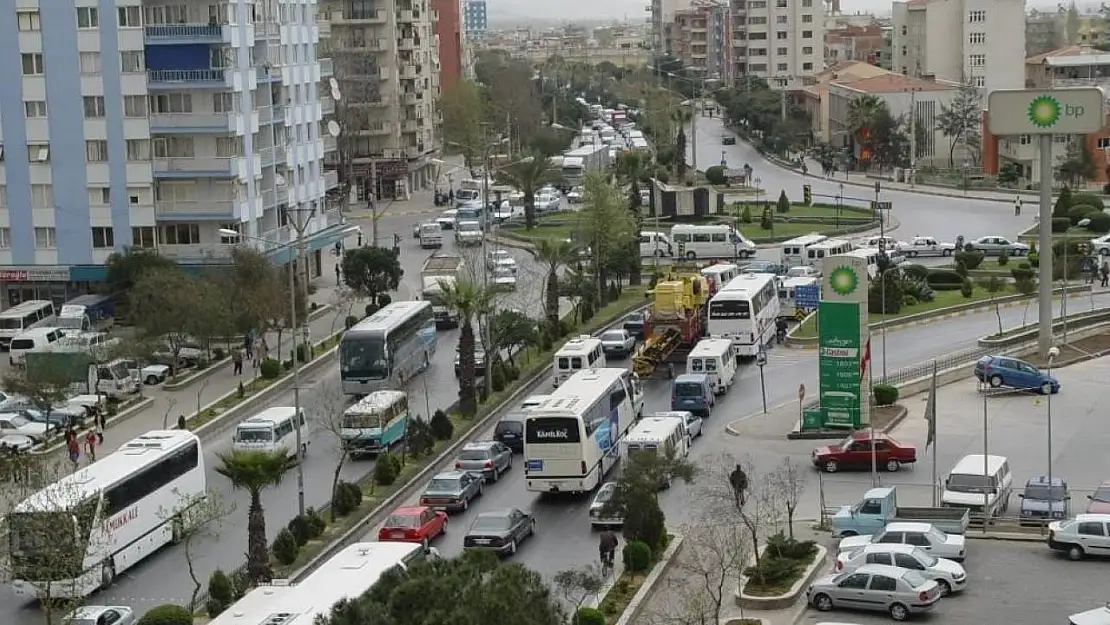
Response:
column 123, row 269
column 680, row 155
column 635, row 497
column 606, row 224
column 1076, row 166
column 736, row 491
column 253, row 289
column 1062, row 206
column 782, row 205
column 371, row 271
column 512, row 330
column 550, row 142
column 863, row 112
column 553, row 255
column 632, row 170
column 177, row 309
column 960, row 118
column 789, row 482
column 47, row 381
column 577, row 586
column 515, row 106
column 325, row 412
column 203, row 516
column 994, row 286
column 890, row 141
column 254, row 472
column 466, row 298
column 463, row 109
column 528, row 175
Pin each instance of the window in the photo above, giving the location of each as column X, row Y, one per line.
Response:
column 781, row 51
column 807, row 50
column 142, row 236
column 807, row 67
column 757, row 36
column 977, row 60
column 94, row 106
column 174, row 147
column 977, row 38
column 90, row 62
column 229, row 146
column 780, row 4
column 174, row 14
column 138, row 149
column 129, row 17
column 34, row 109
column 782, row 67
column 224, row 103
column 100, row 196
column 856, row 580
column 5, row 238
column 3, row 196
column 103, row 238
column 135, row 195
column 32, row 64
column 979, row 81
column 807, row 34
column 171, row 103
column 139, row 485
column 883, row 583
column 42, row 196
column 132, row 62
column 134, row 106
column 1091, row 528
column 45, row 238
column 28, row 21
column 907, row 561
column 781, row 35
column 757, row 20
column 38, row 152
column 807, row 4
column 807, row 19
column 879, row 558
column 1061, row 139
column 780, row 19
column 181, row 234
column 96, row 151
column 232, row 240
column 976, row 17
column 88, row 17
column 1103, row 143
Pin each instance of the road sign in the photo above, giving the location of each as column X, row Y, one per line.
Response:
column 881, row 206
column 1048, row 111
column 801, row 392
column 761, row 358
column 807, row 296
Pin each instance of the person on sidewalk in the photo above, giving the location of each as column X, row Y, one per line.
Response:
column 237, row 362
column 1017, row 206
column 338, row 274
column 181, row 425
column 90, row 446
column 74, row 451
column 1104, row 274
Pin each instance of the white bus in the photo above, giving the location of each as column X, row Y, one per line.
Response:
column 664, row 432
column 35, row 313
column 715, row 358
column 273, row 429
column 581, row 352
column 816, row 253
column 710, row 241
column 375, row 423
column 794, row 250
column 388, row 348
column 572, row 440
column 719, row 275
column 745, row 311
column 788, row 297
column 347, row 575
column 109, row 516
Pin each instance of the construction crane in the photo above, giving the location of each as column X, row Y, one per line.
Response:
column 678, row 301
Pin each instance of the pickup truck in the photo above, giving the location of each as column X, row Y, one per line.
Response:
column 879, row 507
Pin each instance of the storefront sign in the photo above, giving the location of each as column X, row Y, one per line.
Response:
column 34, row 274
column 838, row 362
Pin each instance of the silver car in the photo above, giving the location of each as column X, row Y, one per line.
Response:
column 598, row 518
column 693, row 423
column 950, row 575
column 995, row 246
column 486, row 459
column 100, row 615
column 877, row 588
column 452, row 491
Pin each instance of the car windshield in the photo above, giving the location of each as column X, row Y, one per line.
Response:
column 18, row 421
column 687, row 389
column 613, row 335
column 1046, row 493
column 914, row 579
column 1102, row 494
column 797, row 272
column 468, row 226
column 489, row 523
column 604, row 494
column 473, row 454
column 925, row 557
column 403, row 520
column 254, row 435
column 445, row 484
column 935, row 536
column 366, row 357
column 962, row 483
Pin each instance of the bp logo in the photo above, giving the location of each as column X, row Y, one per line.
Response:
column 1044, row 111
column 843, row 280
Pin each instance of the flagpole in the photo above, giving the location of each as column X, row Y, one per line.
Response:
column 933, row 429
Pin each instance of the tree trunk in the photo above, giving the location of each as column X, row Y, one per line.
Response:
column 635, row 271
column 335, row 481
column 529, row 209
column 188, row 548
column 468, row 404
column 551, row 305
column 258, row 554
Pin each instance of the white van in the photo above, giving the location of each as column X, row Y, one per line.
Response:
column 794, row 250
column 655, row 244
column 982, row 484
column 660, row 432
column 35, row 339
column 710, row 241
column 582, row 352
column 1097, row 616
column 788, row 302
column 719, row 275
column 816, row 253
column 871, row 256
column 715, row 358
column 273, row 429
column 431, row 235
column 36, row 313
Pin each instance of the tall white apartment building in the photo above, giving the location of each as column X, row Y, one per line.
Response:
column 386, row 63
column 977, row 42
column 781, row 41
column 154, row 124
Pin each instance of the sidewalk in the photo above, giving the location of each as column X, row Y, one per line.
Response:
column 421, row 201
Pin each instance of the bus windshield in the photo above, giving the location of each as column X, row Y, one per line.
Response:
column 360, row 420
column 40, row 546
column 364, row 358
column 736, row 309
column 10, row 323
column 255, row 434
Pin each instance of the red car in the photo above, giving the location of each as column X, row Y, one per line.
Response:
column 413, row 524
column 856, row 451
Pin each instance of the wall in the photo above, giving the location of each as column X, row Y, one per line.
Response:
column 448, row 29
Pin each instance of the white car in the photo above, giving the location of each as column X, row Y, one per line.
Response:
column 533, row 401
column 11, row 423
column 605, row 492
column 693, row 423
column 545, row 202
column 949, row 575
column 803, row 271
column 881, row 242
column 503, row 279
column 1101, row 245
column 468, row 233
column 500, row 259
column 878, row 588
column 1085, row 535
column 926, row 246
column 18, row 443
column 924, row 535
column 446, row 219
column 575, row 195
column 504, row 212
column 996, row 246
column 100, row 615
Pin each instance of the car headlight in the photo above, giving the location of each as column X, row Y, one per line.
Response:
column 1058, row 514
column 1026, row 513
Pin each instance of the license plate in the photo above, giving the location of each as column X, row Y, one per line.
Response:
column 508, row 435
column 534, row 465
column 398, row 534
column 481, row 541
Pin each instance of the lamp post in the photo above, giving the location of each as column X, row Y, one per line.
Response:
column 882, row 276
column 839, row 203
column 761, row 361
column 1053, row 352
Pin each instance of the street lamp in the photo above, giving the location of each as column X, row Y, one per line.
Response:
column 1053, row 352
column 839, row 203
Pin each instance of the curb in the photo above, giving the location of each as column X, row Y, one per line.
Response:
column 639, row 600
column 1006, row 536
column 1084, row 321
column 787, row 599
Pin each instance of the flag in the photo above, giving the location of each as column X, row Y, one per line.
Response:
column 931, row 412
column 866, row 360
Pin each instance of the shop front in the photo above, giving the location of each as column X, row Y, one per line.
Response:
column 56, row 283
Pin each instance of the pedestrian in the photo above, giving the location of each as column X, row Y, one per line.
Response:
column 237, row 362
column 74, row 451
column 338, row 272
column 360, row 237
column 265, row 349
column 1104, row 274
column 1017, row 206
column 181, row 422
column 101, row 423
column 90, row 446
column 248, row 341
column 70, row 435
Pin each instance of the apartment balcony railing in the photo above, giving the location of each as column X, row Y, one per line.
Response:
column 185, row 77
column 269, row 199
column 411, row 98
column 327, row 68
column 410, row 125
column 171, row 123
column 323, row 27
column 327, row 105
column 350, row 44
column 266, row 74
column 212, row 165
column 200, row 208
column 330, row 144
column 406, row 44
column 1093, row 81
column 414, row 151
column 355, row 18
column 405, row 17
column 378, row 129
column 408, row 72
column 266, row 29
column 182, row 33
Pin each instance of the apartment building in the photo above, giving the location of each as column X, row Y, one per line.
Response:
column 814, row 98
column 1044, row 32
column 699, row 38
column 847, row 42
column 155, row 124
column 781, row 41
column 387, row 69
column 978, row 42
column 475, row 18
column 450, row 38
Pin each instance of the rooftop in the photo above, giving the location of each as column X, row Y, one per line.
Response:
column 1070, row 56
column 892, row 83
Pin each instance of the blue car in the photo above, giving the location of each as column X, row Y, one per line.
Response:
column 999, row 371
column 692, row 392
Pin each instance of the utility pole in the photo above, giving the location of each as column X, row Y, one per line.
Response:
column 913, row 134
column 298, row 219
column 372, row 201
column 694, row 130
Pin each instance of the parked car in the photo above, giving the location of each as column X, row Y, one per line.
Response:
column 636, row 324
column 1085, row 535
column 503, row 279
column 803, row 271
column 598, row 517
column 1100, row 499
column 617, row 343
column 509, row 431
column 100, row 615
column 693, row 423
column 996, row 246
column 924, row 535
column 500, row 531
column 999, row 371
column 446, row 219
column 949, row 575
column 15, row 423
column 500, row 258
column 57, row 419
column 926, row 246
column 1042, row 501
column 574, row 196
column 1101, row 245
column 885, row 243
column 728, row 140
column 413, row 524
column 856, row 452
column 878, row 588
column 766, row 266
column 16, row 443
column 452, row 491
column 488, row 460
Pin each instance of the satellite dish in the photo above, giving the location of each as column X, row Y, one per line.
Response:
column 333, row 83
column 336, row 94
column 279, row 180
column 333, row 128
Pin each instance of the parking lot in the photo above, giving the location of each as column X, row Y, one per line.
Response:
column 1011, row 583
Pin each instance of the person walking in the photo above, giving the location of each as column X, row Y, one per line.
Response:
column 1104, row 274
column 1017, row 206
column 74, row 450
column 181, row 425
column 338, row 275
column 237, row 362
column 90, row 446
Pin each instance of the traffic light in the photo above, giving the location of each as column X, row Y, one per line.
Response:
column 878, row 187
column 807, row 194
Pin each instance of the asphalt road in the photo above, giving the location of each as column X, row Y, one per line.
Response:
column 1009, row 582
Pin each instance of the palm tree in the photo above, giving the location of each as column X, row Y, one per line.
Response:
column 632, row 168
column 255, row 471
column 528, row 175
column 468, row 300
column 554, row 254
column 863, row 112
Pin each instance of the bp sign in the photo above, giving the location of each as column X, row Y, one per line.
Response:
column 1052, row 111
column 842, row 340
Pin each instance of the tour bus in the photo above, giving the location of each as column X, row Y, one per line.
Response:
column 794, row 250
column 109, row 515
column 571, row 440
column 871, row 257
column 816, row 253
column 348, row 574
column 745, row 311
column 655, row 433
column 719, row 275
column 710, row 241
column 581, row 352
column 274, row 429
column 375, row 423
column 388, row 348
column 788, row 302
column 715, row 358
column 36, row 313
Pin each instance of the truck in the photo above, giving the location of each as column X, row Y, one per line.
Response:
column 440, row 270
column 431, row 235
column 879, row 507
column 113, row 379
column 88, row 312
column 581, row 161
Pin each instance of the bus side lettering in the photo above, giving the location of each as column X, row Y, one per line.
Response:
column 118, row 521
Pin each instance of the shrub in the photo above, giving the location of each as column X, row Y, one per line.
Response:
column 301, row 528
column 885, row 394
column 348, row 496
column 287, row 365
column 961, row 269
column 1100, row 222
column 1079, row 211
column 1034, row 259
column 1003, row 258
column 885, row 296
column 316, row 522
column 637, row 556
column 1026, row 287
column 270, row 368
column 304, row 353
column 782, row 546
column 783, row 203
column 919, row 289
column 1022, row 273
column 1063, row 203
column 917, row 272
column 370, row 309
column 350, row 321
column 355, row 491
column 1060, row 224
column 746, row 215
column 285, row 547
column 771, row 570
column 442, row 428
column 716, row 175
column 497, row 377
column 908, row 300
column 967, row 289
column 385, row 469
column 167, row 614
column 221, row 593
column 219, row 353
column 971, row 259
column 944, row 280
column 1090, row 199
column 384, row 300
column 766, row 221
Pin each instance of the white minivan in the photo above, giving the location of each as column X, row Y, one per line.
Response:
column 35, row 339
column 655, row 244
column 982, row 484
column 272, row 430
column 715, row 358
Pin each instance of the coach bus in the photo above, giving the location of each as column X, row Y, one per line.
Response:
column 572, row 439
column 745, row 311
column 77, row 534
column 388, row 348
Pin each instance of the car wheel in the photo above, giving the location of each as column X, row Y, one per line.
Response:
column 1046, row 388
column 659, row 253
column 1075, row 553
column 899, row 612
column 945, row 587
column 848, row 534
column 996, row 381
column 532, row 528
column 893, row 465
column 912, row 253
column 823, row 602
column 465, row 505
column 481, row 488
column 1104, row 251
column 510, row 465
column 831, row 466
column 946, row 253
column 107, row 574
column 151, row 380
column 691, row 256
column 512, row 547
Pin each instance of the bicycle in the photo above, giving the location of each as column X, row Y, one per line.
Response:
column 607, row 561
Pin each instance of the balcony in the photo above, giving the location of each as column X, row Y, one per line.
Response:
column 414, row 151
column 327, row 105
column 327, row 68
column 405, row 17
column 408, row 72
column 266, row 30
column 406, row 44
column 1096, row 81
column 204, row 167
column 412, row 98
column 358, row 44
column 272, row 156
column 265, row 74
column 190, row 123
column 378, row 129
column 358, row 18
column 410, row 125
column 330, row 144
column 194, row 211
column 196, row 254
column 331, row 179
column 176, row 34
column 324, row 28
column 383, row 73
column 178, row 79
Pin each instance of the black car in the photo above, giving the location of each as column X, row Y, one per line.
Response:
column 728, row 140
column 500, row 531
column 636, row 323
column 509, row 431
